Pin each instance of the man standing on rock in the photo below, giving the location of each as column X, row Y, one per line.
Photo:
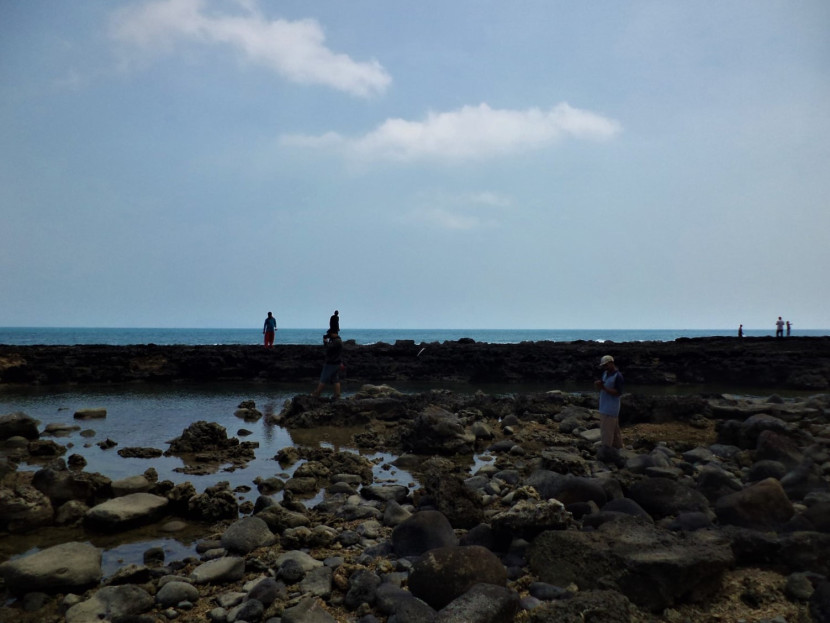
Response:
column 269, row 329
column 610, row 390
column 331, row 369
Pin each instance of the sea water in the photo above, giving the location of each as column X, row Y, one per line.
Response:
column 51, row 336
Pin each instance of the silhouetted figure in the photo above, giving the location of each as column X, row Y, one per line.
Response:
column 331, row 369
column 789, row 326
column 779, row 327
column 334, row 322
column 740, row 331
column 269, row 329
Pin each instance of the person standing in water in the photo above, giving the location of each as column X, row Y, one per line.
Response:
column 269, row 329
column 331, row 369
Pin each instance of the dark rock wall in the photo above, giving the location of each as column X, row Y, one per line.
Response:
column 794, row 363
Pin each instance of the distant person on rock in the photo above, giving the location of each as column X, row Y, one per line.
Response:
column 610, row 391
column 789, row 326
column 334, row 361
column 334, row 322
column 779, row 327
column 269, row 329
column 740, row 330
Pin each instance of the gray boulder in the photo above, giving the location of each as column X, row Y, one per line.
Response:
column 761, row 506
column 423, row 531
column 126, row 511
column 220, row 571
column 111, row 603
column 18, row 425
column 245, row 535
column 663, row 497
column 654, row 568
column 24, row 508
column 483, row 603
column 131, row 484
column 441, row 575
column 309, row 610
column 61, row 568
column 63, row 485
column 91, row 414
column 173, row 593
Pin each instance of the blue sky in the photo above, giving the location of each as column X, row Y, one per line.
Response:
column 473, row 164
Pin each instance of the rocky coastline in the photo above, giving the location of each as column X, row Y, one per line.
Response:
column 717, row 509
column 791, row 363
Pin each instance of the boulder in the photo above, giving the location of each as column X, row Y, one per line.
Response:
column 663, row 497
column 421, row 532
column 61, row 568
column 443, row 574
column 173, row 593
column 126, row 511
column 220, row 571
column 131, row 484
column 761, row 506
column 63, row 485
column 111, row 603
column 18, row 425
column 91, row 414
column 24, row 508
column 482, row 603
column 653, row 568
column 247, row 534
column 309, row 610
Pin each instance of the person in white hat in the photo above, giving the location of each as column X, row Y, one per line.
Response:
column 610, row 390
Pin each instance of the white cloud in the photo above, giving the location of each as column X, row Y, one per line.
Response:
column 295, row 50
column 446, row 219
column 461, row 212
column 471, row 133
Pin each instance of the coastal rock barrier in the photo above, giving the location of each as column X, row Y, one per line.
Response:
column 793, row 363
column 729, row 497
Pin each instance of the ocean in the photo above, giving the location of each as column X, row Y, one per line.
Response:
column 67, row 336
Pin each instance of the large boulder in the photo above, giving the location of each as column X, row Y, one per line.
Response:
column 126, row 512
column 246, row 534
column 762, row 506
column 654, row 568
column 62, row 568
column 24, row 508
column 441, row 575
column 423, row 531
column 664, row 497
column 63, row 485
column 219, row 571
column 215, row 503
column 483, row 603
column 18, row 425
column 437, row 431
column 111, row 603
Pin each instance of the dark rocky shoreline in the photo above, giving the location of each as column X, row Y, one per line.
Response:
column 717, row 509
column 801, row 363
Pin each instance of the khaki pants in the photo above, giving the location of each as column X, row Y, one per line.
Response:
column 610, row 428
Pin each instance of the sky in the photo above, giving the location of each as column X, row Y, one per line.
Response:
column 474, row 164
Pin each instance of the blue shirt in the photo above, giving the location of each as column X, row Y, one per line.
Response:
column 270, row 324
column 609, row 404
